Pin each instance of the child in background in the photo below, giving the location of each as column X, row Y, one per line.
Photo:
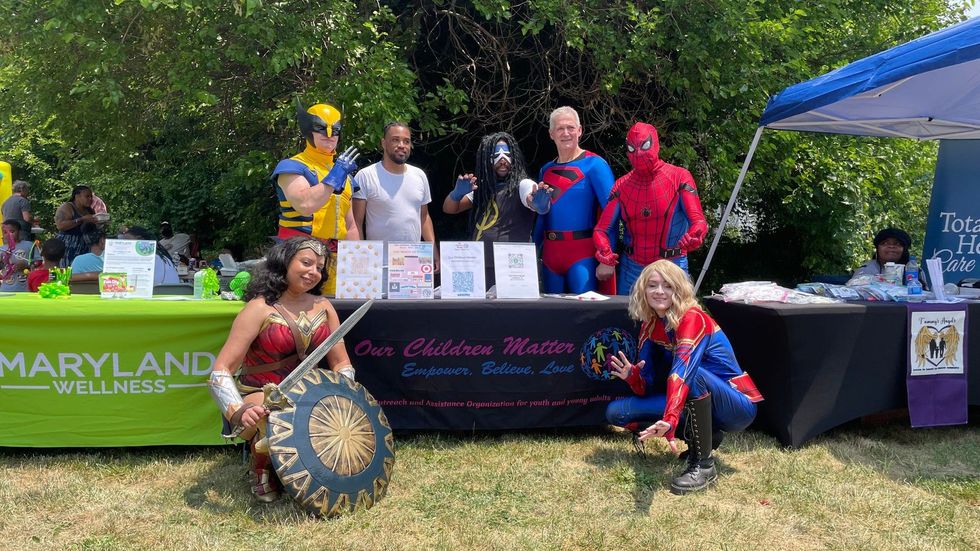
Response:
column 16, row 255
column 52, row 252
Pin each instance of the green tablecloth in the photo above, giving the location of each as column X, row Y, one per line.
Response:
column 84, row 371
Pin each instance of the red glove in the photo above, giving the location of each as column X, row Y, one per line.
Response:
column 606, row 257
column 676, row 395
column 692, row 239
column 636, row 382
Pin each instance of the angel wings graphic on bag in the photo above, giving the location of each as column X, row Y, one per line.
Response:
column 935, row 346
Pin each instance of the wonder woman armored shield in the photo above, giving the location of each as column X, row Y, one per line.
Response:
column 333, row 451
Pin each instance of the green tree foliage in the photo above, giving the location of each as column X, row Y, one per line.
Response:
column 701, row 71
column 178, row 109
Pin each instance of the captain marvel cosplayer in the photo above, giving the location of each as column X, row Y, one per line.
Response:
column 284, row 319
column 658, row 203
column 686, row 375
column 312, row 187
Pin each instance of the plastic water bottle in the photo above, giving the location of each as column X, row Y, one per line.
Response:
column 912, row 272
column 914, row 290
column 199, row 284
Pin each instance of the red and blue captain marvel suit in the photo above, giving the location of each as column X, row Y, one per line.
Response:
column 696, row 359
column 658, row 202
column 579, row 190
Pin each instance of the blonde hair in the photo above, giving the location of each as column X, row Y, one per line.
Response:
column 681, row 301
column 564, row 110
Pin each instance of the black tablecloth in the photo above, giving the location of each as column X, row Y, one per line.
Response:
column 819, row 366
column 502, row 364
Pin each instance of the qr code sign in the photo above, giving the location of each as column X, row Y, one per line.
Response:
column 515, row 260
column 463, row 282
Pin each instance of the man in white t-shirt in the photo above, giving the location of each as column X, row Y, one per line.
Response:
column 393, row 202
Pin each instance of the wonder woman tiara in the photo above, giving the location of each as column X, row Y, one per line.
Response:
column 318, row 247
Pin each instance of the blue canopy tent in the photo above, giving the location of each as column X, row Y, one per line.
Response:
column 926, row 89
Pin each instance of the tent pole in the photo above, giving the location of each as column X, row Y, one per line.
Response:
column 728, row 209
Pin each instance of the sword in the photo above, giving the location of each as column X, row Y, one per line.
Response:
column 275, row 395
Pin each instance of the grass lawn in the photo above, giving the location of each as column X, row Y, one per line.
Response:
column 886, row 487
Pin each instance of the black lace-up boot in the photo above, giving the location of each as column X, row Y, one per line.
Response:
column 700, row 471
column 717, row 437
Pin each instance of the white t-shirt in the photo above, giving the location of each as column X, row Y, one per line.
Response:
column 393, row 202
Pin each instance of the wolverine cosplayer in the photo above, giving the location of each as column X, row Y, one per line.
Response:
column 312, row 187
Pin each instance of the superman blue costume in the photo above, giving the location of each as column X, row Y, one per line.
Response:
column 658, row 203
column 579, row 190
column 696, row 359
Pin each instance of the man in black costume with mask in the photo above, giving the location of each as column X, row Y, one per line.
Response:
column 503, row 202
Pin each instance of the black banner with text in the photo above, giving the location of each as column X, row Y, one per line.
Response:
column 472, row 365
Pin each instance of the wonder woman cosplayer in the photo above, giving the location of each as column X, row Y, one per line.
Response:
column 284, row 319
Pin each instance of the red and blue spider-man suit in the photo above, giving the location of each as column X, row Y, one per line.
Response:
column 659, row 205
column 696, row 359
column 579, row 190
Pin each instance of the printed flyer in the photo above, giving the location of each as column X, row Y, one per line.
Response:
column 410, row 270
column 359, row 269
column 137, row 260
column 463, row 272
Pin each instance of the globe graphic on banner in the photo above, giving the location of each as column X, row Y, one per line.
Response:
column 601, row 346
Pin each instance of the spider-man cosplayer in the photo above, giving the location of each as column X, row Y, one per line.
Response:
column 579, row 190
column 658, row 202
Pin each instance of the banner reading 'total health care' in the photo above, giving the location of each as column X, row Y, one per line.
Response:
column 953, row 226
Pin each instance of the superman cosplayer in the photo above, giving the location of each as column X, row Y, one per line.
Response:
column 579, row 182
column 686, row 373
column 312, row 187
column 658, row 203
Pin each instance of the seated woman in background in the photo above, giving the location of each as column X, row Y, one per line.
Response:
column 165, row 269
column 891, row 245
column 88, row 266
column 177, row 244
column 69, row 217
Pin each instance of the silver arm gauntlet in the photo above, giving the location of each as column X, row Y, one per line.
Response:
column 347, row 371
column 225, row 393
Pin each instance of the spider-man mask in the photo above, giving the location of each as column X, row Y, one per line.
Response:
column 643, row 148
